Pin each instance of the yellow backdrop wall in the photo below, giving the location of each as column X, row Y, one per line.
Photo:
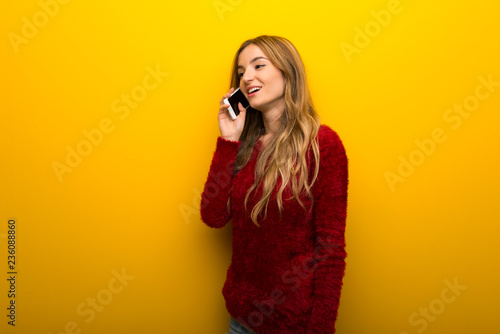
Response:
column 108, row 125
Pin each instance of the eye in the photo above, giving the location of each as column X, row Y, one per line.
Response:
column 240, row 75
column 259, row 66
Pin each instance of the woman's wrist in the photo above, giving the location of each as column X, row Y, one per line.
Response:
column 230, row 138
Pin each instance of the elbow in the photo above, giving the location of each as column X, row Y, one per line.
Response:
column 212, row 219
column 214, row 222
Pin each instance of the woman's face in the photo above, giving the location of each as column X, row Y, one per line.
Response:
column 261, row 82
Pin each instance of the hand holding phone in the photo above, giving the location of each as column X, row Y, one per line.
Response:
column 230, row 125
column 236, row 97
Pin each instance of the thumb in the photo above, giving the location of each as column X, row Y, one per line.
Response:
column 241, row 108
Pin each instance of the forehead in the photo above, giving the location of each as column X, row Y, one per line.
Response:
column 249, row 53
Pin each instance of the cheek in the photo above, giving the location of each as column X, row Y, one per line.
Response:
column 281, row 87
column 242, row 88
column 280, row 82
column 278, row 89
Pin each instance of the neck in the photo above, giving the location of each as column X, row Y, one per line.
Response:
column 271, row 120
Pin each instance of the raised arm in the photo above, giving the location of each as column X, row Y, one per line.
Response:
column 214, row 210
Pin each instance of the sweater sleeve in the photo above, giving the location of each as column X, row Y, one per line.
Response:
column 213, row 208
column 329, row 219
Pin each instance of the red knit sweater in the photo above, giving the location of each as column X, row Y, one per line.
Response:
column 285, row 276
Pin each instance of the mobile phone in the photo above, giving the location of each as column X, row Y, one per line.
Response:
column 233, row 100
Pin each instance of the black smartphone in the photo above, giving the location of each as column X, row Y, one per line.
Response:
column 236, row 97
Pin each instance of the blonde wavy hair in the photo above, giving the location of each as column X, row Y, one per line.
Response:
column 285, row 153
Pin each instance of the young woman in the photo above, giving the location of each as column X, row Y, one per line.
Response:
column 281, row 176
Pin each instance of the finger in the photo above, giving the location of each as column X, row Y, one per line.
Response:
column 226, row 96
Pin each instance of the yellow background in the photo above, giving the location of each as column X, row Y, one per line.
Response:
column 132, row 203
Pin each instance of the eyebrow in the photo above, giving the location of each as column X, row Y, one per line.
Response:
column 253, row 60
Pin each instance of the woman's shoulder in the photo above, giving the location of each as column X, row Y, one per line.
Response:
column 328, row 137
column 330, row 145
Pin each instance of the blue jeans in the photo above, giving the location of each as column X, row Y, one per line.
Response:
column 236, row 327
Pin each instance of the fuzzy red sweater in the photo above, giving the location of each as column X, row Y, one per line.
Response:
column 285, row 276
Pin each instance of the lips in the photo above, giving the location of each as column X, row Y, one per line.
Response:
column 253, row 90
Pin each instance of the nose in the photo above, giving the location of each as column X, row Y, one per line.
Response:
column 247, row 76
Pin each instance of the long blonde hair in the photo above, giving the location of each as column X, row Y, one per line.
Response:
column 285, row 152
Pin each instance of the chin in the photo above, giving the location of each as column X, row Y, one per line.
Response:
column 254, row 105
